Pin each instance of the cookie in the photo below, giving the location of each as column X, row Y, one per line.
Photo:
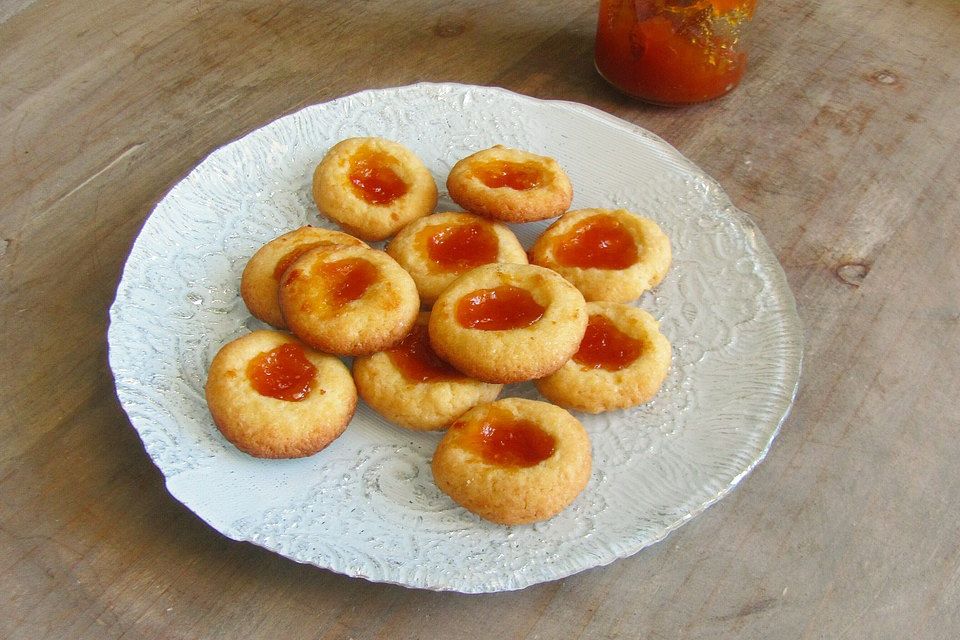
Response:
column 622, row 361
column 514, row 461
column 411, row 387
column 609, row 254
column 438, row 248
column 274, row 397
column 511, row 185
column 373, row 187
column 260, row 282
column 508, row 322
column 348, row 300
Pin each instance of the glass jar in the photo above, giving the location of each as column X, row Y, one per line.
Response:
column 672, row 52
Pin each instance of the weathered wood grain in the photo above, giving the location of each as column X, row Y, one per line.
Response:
column 842, row 142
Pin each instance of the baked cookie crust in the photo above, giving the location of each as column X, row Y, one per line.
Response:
column 373, row 187
column 513, row 354
column 511, row 185
column 418, row 249
column 585, row 386
column 348, row 300
column 269, row 427
column 484, row 461
column 431, row 398
column 260, row 282
column 625, row 284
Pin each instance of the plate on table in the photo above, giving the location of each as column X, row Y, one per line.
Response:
column 366, row 506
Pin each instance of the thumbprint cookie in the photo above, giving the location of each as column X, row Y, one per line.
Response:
column 348, row 300
column 622, row 361
column 412, row 387
column 609, row 254
column 274, row 397
column 508, row 322
column 514, row 461
column 510, row 185
column 438, row 248
column 373, row 187
column 260, row 282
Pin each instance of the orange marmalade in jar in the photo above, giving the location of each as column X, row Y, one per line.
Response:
column 672, row 52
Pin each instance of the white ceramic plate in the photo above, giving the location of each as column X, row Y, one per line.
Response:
column 367, row 506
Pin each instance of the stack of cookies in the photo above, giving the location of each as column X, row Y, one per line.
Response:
column 454, row 309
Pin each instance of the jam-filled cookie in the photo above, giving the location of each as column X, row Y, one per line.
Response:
column 412, row 387
column 609, row 254
column 510, row 185
column 514, row 461
column 348, row 300
column 508, row 322
column 274, row 397
column 260, row 283
column 438, row 248
column 372, row 187
column 622, row 361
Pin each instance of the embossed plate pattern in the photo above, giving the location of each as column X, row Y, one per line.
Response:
column 367, row 506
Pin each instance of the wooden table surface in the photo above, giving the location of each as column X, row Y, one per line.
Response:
column 842, row 142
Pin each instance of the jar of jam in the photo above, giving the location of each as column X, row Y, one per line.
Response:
column 672, row 52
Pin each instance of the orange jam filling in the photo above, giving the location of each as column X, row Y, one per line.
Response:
column 373, row 179
column 460, row 247
column 520, row 176
column 417, row 361
column 346, row 280
column 502, row 439
column 604, row 346
column 294, row 254
column 283, row 373
column 501, row 308
column 598, row 242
